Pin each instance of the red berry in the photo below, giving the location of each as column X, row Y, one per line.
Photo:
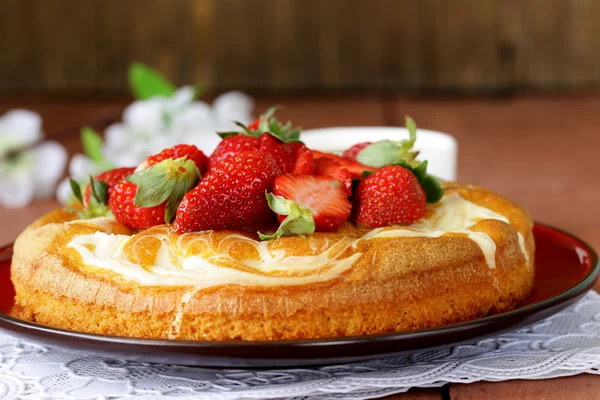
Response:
column 111, row 178
column 190, row 152
column 303, row 160
column 269, row 144
column 353, row 151
column 324, row 196
column 231, row 146
column 127, row 213
column 328, row 167
column 230, row 196
column 390, row 196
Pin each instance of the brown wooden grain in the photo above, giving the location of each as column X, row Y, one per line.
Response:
column 491, row 46
column 581, row 387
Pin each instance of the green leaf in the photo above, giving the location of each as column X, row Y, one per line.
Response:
column 225, row 135
column 247, row 131
column 431, row 185
column 386, row 152
column 92, row 144
column 433, row 189
column 76, row 190
column 146, row 82
column 379, row 154
column 168, row 181
column 299, row 220
column 99, row 190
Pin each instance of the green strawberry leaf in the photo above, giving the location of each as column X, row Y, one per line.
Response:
column 97, row 206
column 267, row 123
column 225, row 135
column 76, row 190
column 92, row 144
column 431, row 185
column 433, row 189
column 386, row 152
column 247, row 131
column 146, row 82
column 299, row 220
column 167, row 181
column 99, row 190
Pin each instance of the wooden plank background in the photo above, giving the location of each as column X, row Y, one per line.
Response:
column 266, row 46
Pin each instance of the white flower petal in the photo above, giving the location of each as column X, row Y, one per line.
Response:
column 182, row 97
column 50, row 161
column 233, row 105
column 205, row 140
column 64, row 191
column 146, row 114
column 127, row 159
column 81, row 167
column 16, row 192
column 19, row 128
column 197, row 115
column 116, row 136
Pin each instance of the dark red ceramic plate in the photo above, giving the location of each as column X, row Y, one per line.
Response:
column 566, row 268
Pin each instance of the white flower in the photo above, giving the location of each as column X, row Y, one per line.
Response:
column 27, row 171
column 232, row 106
column 152, row 125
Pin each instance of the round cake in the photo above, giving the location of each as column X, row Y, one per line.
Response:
column 470, row 255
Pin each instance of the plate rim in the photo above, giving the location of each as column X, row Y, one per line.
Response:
column 585, row 284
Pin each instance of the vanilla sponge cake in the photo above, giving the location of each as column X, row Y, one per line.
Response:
column 470, row 256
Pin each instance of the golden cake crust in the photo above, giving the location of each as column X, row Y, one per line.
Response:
column 397, row 283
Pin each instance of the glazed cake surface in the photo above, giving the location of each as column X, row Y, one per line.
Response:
column 470, row 256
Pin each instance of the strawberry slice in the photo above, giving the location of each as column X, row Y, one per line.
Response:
column 324, row 197
column 356, row 169
column 304, row 162
column 328, row 167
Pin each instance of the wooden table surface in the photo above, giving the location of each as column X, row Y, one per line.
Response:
column 542, row 152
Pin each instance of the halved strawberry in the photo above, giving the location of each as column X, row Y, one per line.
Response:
column 304, row 162
column 188, row 151
column 151, row 196
column 356, row 169
column 230, row 196
column 331, row 168
column 353, row 151
column 111, row 178
column 325, row 198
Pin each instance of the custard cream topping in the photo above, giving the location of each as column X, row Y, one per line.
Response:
column 269, row 266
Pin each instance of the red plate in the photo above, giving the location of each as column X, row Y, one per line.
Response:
column 566, row 269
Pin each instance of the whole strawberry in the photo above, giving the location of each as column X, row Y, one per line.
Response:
column 190, row 152
column 111, row 178
column 151, row 196
column 232, row 145
column 353, row 151
column 391, row 195
column 230, row 196
column 265, row 133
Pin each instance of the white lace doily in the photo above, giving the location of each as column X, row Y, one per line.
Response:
column 567, row 343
